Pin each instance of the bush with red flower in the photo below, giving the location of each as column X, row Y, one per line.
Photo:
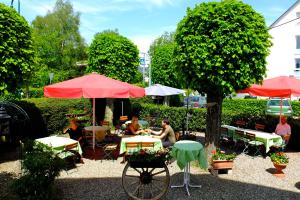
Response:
column 279, row 158
column 147, row 155
column 221, row 155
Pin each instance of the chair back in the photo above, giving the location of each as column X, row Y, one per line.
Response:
column 250, row 136
column 123, row 118
column 133, row 145
column 224, row 131
column 71, row 146
column 105, row 123
column 260, row 127
column 240, row 123
column 239, row 133
column 147, row 145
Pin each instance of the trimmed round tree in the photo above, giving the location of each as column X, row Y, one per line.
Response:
column 114, row 56
column 16, row 50
column 163, row 69
column 221, row 47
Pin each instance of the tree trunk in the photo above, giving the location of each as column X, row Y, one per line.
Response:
column 213, row 122
column 109, row 111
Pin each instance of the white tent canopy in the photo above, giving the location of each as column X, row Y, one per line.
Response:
column 161, row 90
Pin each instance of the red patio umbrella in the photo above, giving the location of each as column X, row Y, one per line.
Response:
column 93, row 86
column 282, row 86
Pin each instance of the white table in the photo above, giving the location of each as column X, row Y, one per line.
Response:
column 58, row 143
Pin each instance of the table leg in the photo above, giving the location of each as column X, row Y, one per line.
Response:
column 186, row 180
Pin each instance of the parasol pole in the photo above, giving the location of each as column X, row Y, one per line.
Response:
column 280, row 110
column 122, row 107
column 94, row 124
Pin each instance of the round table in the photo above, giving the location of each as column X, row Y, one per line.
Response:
column 100, row 132
column 186, row 151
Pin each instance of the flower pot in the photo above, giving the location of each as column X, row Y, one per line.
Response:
column 222, row 164
column 279, row 167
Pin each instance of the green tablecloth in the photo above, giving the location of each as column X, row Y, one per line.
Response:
column 186, row 150
column 58, row 143
column 138, row 138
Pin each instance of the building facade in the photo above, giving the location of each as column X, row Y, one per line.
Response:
column 284, row 58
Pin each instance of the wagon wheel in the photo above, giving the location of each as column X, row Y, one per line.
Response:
column 145, row 183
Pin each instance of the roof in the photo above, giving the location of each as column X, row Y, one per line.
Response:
column 285, row 13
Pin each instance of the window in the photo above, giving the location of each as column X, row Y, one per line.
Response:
column 297, row 41
column 297, row 63
column 297, row 14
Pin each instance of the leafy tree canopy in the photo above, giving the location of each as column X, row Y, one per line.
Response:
column 114, row 56
column 222, row 46
column 16, row 50
column 163, row 69
column 57, row 39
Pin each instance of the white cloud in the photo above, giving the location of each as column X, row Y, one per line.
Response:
column 143, row 41
column 99, row 7
column 38, row 7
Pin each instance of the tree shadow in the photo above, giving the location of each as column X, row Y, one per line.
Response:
column 5, row 181
column 297, row 185
column 212, row 188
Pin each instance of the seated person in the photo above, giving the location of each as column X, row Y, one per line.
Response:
column 74, row 131
column 283, row 129
column 133, row 128
column 166, row 134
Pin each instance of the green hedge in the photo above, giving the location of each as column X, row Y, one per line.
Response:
column 54, row 111
column 251, row 110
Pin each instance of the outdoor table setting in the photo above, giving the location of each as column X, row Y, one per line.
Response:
column 186, row 151
column 100, row 132
column 58, row 144
column 139, row 138
column 143, row 123
column 268, row 139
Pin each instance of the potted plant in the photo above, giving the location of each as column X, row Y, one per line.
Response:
column 280, row 161
column 146, row 158
column 221, row 160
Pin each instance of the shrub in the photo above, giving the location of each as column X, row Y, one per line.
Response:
column 40, row 167
column 36, row 92
column 54, row 111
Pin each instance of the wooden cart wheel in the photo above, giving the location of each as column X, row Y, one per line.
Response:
column 145, row 183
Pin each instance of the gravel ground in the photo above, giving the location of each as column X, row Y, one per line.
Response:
column 251, row 178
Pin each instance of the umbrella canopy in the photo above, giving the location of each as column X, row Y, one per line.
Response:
column 282, row 86
column 161, row 90
column 93, row 86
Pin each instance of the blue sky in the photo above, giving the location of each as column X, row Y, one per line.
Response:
column 139, row 20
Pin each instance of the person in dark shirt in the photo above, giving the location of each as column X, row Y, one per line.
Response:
column 74, row 130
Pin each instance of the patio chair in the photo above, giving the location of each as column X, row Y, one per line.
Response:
column 253, row 143
column 109, row 151
column 224, row 134
column 147, row 145
column 240, row 123
column 259, row 127
column 132, row 147
column 241, row 140
column 120, row 128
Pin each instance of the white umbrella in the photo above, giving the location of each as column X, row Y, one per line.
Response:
column 161, row 90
